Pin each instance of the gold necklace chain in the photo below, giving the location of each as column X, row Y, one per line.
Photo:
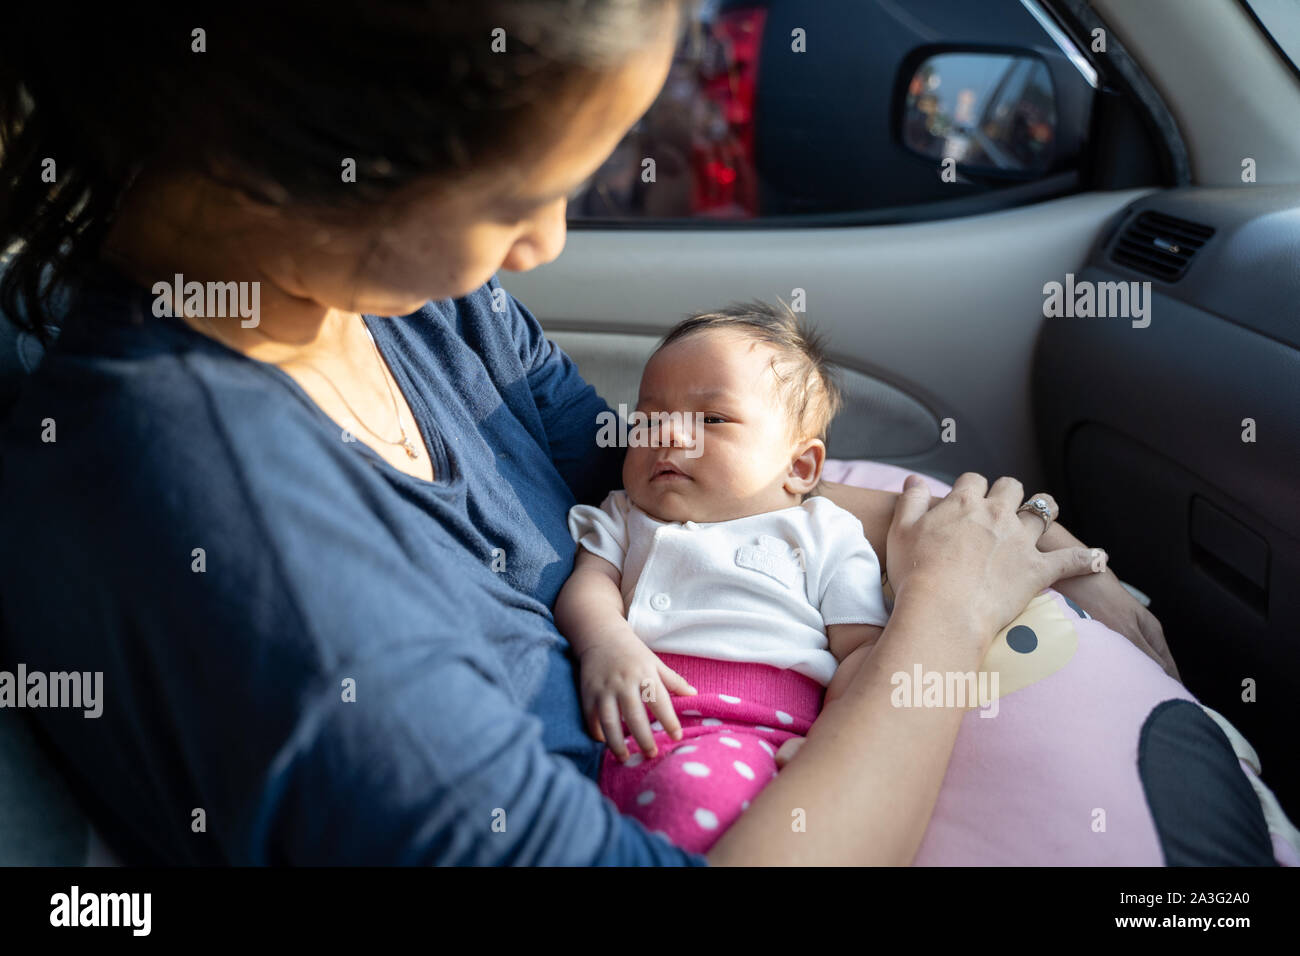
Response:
column 404, row 442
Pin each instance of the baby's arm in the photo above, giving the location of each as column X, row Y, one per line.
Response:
column 589, row 608
column 617, row 671
column 849, row 597
column 851, row 644
column 847, row 578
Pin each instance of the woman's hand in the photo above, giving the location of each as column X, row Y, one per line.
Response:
column 620, row 674
column 1106, row 600
column 972, row 552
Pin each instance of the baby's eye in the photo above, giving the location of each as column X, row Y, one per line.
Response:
column 714, row 420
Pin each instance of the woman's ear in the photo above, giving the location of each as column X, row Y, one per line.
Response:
column 806, row 467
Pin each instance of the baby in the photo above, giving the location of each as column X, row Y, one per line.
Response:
column 716, row 582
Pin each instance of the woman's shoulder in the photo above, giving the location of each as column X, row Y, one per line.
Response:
column 138, row 427
column 162, row 458
column 115, row 388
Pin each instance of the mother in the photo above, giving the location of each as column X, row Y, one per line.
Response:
column 316, row 567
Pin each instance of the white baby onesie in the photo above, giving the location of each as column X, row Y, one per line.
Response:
column 760, row 589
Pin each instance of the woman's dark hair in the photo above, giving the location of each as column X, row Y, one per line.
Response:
column 271, row 98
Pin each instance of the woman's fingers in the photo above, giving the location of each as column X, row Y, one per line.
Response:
column 1033, row 521
column 912, row 503
column 1009, row 492
column 977, row 551
column 1155, row 637
column 970, row 484
column 1070, row 563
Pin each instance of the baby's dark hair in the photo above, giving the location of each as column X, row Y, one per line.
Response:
column 806, row 381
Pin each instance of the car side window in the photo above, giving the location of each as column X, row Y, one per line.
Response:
column 785, row 109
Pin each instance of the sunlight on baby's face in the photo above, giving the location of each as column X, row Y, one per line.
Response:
column 731, row 452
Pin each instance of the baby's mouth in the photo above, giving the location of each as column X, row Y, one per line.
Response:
column 667, row 471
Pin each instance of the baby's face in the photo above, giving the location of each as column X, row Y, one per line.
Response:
column 744, row 458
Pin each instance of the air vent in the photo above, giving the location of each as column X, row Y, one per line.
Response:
column 1160, row 246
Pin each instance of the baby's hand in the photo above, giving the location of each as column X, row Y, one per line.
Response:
column 787, row 751
column 622, row 674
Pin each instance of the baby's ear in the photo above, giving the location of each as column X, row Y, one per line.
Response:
column 806, row 467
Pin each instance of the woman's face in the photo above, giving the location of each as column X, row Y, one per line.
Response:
column 444, row 242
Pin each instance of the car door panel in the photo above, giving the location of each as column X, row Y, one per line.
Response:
column 1177, row 446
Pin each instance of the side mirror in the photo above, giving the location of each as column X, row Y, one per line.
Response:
column 995, row 114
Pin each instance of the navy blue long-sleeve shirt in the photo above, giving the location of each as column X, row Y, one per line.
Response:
column 200, row 532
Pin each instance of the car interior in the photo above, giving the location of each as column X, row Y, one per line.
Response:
column 1147, row 150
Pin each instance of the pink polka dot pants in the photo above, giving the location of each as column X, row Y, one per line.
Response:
column 696, row 787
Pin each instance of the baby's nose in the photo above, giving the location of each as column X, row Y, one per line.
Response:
column 675, row 430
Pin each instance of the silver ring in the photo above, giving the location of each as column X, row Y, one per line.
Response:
column 1040, row 507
